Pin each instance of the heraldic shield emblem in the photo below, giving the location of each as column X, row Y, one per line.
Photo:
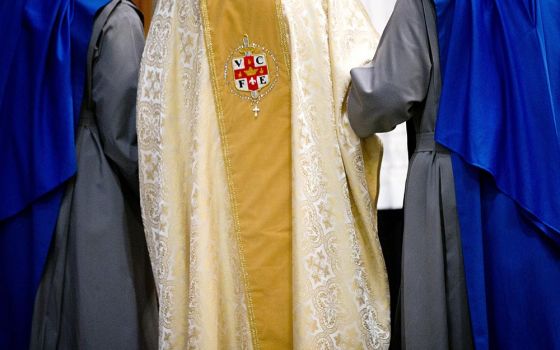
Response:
column 251, row 72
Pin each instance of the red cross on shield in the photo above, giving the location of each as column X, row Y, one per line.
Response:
column 250, row 72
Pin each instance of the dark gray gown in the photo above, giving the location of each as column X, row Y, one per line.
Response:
column 97, row 291
column 403, row 82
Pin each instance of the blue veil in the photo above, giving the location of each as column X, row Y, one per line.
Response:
column 500, row 116
column 42, row 72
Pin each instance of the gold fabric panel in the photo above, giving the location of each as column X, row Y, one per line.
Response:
column 192, row 150
column 257, row 152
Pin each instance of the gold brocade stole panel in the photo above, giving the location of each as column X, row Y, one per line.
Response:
column 249, row 61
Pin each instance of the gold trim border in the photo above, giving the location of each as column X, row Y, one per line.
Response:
column 284, row 36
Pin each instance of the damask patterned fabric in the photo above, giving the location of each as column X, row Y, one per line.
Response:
column 340, row 297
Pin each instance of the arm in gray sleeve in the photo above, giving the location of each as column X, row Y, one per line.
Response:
column 391, row 89
column 115, row 79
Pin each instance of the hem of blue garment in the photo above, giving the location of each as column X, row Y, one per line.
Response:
column 549, row 230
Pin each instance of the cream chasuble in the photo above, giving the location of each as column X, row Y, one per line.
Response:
column 258, row 199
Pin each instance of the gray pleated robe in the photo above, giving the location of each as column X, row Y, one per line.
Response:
column 97, row 291
column 403, row 82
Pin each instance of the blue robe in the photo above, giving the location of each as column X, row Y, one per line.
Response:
column 500, row 115
column 42, row 70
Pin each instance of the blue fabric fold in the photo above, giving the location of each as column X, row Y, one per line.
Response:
column 499, row 115
column 42, row 72
column 36, row 139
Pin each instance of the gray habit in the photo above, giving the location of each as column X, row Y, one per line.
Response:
column 403, row 82
column 97, row 291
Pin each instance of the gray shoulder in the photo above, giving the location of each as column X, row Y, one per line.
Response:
column 123, row 33
column 125, row 15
